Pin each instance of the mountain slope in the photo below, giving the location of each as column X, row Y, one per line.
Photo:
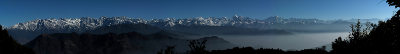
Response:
column 110, row 43
column 10, row 46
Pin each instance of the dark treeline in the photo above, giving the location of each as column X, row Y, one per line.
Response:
column 250, row 50
column 198, row 47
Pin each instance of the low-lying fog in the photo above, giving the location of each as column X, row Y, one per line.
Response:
column 296, row 41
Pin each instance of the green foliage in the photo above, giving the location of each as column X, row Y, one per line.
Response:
column 9, row 46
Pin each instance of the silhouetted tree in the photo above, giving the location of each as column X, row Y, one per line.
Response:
column 197, row 46
column 383, row 38
column 396, row 4
column 169, row 50
column 9, row 46
column 357, row 42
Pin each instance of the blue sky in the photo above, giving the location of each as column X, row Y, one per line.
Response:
column 15, row 11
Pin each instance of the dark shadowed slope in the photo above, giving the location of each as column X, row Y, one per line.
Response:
column 9, row 46
column 110, row 43
column 124, row 28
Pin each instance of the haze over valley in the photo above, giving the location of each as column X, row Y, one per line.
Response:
column 199, row 27
column 237, row 31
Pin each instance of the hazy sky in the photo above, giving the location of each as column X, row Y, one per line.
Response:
column 15, row 11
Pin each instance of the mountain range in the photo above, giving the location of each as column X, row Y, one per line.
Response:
column 122, row 35
column 237, row 25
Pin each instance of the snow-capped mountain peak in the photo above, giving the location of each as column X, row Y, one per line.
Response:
column 87, row 23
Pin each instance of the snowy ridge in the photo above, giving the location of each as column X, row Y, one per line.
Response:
column 237, row 25
column 72, row 23
column 86, row 23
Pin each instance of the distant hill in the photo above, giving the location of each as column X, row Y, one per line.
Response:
column 111, row 43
